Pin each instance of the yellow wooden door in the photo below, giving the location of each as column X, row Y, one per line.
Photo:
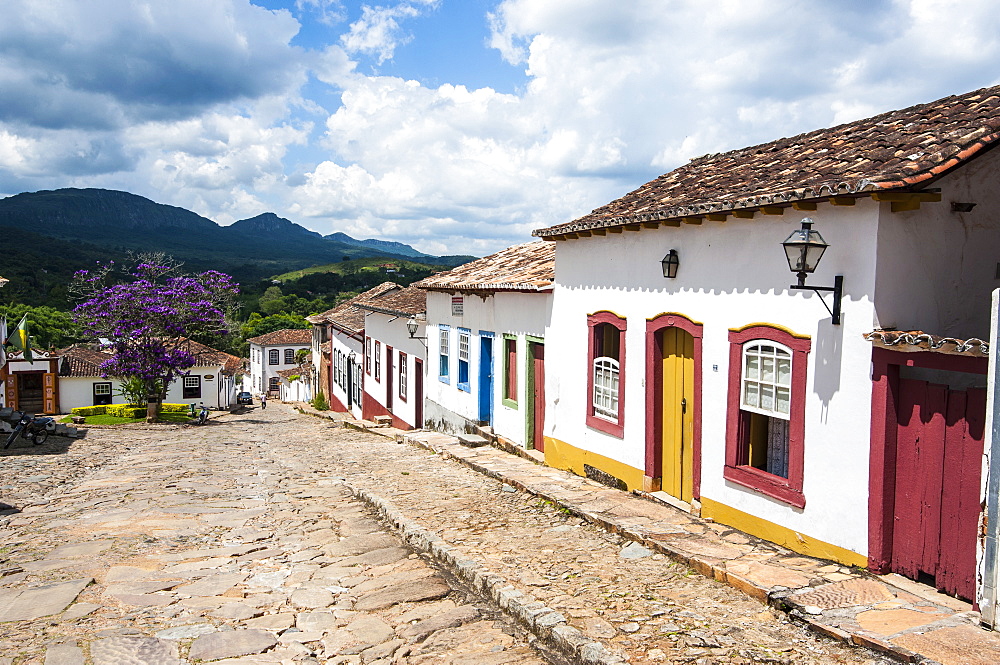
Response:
column 678, row 414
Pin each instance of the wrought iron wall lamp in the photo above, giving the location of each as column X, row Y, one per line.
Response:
column 804, row 248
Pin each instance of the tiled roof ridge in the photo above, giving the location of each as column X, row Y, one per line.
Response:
column 370, row 294
column 406, row 301
column 277, row 337
column 858, row 156
column 526, row 267
column 928, row 342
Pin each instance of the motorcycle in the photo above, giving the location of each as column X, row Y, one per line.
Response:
column 30, row 427
column 202, row 414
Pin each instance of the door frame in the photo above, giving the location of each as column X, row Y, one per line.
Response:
column 418, row 393
column 885, row 425
column 389, row 379
column 529, row 395
column 652, row 480
column 487, row 362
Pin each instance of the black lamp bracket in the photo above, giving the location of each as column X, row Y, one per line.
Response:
column 837, row 290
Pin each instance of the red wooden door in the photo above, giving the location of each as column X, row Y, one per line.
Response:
column 939, row 448
column 538, row 397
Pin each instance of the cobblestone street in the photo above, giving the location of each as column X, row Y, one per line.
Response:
column 245, row 541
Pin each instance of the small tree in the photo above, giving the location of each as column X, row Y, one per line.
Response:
column 149, row 321
column 319, row 402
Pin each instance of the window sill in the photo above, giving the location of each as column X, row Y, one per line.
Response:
column 445, row 379
column 464, row 387
column 509, row 403
column 767, row 484
column 606, row 426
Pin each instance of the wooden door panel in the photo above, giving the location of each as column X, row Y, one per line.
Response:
column 538, row 397
column 677, row 454
column 939, row 450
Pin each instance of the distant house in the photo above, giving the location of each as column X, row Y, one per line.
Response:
column 487, row 322
column 682, row 364
column 32, row 386
column 393, row 360
column 212, row 380
column 296, row 383
column 338, row 350
column 271, row 353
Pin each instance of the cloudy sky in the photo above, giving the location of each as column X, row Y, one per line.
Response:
column 457, row 126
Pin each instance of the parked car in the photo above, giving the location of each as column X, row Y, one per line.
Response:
column 244, row 398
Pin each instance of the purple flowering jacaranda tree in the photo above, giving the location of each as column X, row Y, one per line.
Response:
column 148, row 322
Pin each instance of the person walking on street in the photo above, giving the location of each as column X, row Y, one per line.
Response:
column 263, row 401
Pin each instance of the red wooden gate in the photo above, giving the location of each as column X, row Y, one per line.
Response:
column 939, row 448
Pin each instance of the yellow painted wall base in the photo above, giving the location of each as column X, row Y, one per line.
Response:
column 780, row 535
column 562, row 455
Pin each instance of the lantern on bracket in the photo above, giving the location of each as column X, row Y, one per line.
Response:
column 804, row 248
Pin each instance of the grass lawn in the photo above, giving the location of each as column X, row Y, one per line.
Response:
column 115, row 420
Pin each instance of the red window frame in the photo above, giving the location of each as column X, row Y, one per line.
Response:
column 788, row 490
column 368, row 355
column 593, row 420
column 378, row 360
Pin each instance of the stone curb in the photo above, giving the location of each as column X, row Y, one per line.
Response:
column 775, row 598
column 543, row 622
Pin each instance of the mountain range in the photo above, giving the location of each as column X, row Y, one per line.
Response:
column 116, row 221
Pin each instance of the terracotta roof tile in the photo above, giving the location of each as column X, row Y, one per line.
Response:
column 80, row 360
column 903, row 149
column 527, row 267
column 918, row 340
column 347, row 315
column 403, row 302
column 287, row 336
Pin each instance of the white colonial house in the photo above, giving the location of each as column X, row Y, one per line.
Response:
column 271, row 353
column 486, row 323
column 393, row 358
column 338, row 350
column 681, row 362
column 212, row 381
column 297, row 383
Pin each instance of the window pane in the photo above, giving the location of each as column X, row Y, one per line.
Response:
column 766, row 397
column 767, row 369
column 784, row 372
column 783, row 401
column 751, row 395
column 753, row 367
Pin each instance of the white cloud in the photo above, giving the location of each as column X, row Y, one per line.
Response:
column 379, row 31
column 204, row 105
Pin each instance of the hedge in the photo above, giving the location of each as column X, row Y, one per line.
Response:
column 126, row 410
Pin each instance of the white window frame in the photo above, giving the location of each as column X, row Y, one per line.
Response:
column 402, row 374
column 754, row 353
column 606, row 388
column 289, row 356
column 100, row 386
column 273, row 357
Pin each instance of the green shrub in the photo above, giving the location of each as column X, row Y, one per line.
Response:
column 319, row 402
column 89, row 410
column 126, row 410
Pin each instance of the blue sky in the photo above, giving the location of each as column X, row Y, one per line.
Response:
column 456, row 126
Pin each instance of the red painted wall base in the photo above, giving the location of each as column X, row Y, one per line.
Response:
column 371, row 408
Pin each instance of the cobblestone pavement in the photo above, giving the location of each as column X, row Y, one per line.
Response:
column 639, row 604
column 171, row 545
column 237, row 541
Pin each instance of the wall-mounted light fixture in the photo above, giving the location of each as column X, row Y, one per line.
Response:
column 670, row 264
column 411, row 327
column 804, row 248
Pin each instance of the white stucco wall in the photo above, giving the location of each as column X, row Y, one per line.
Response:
column 731, row 274
column 519, row 314
column 261, row 371
column 345, row 343
column 216, row 393
column 937, row 268
column 391, row 331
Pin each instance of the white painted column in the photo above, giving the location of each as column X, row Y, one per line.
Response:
column 988, row 551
